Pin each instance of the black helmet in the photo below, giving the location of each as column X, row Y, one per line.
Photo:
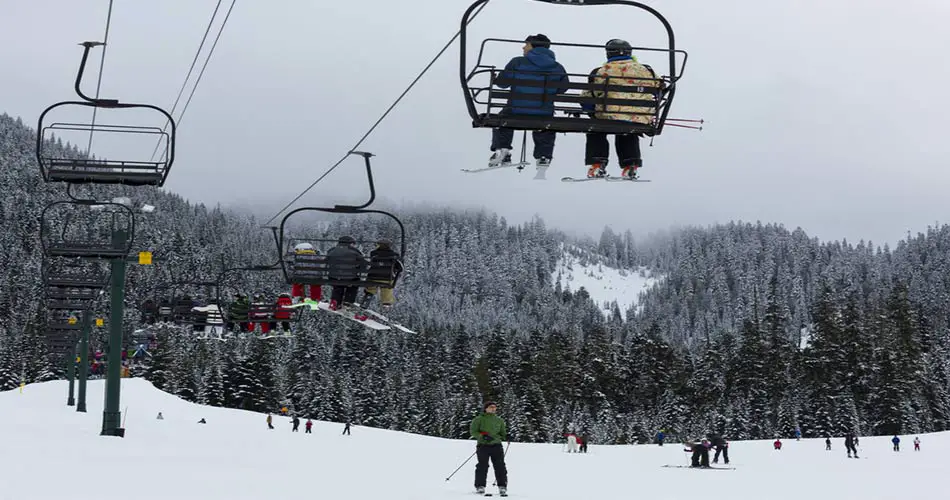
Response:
column 346, row 240
column 618, row 47
column 538, row 40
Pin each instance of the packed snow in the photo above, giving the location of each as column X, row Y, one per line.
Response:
column 603, row 283
column 52, row 452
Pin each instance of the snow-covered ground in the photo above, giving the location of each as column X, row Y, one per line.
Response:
column 604, row 284
column 51, row 452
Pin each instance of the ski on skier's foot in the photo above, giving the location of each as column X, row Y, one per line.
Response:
column 519, row 165
column 386, row 320
column 703, row 468
column 539, row 174
column 605, row 178
column 348, row 312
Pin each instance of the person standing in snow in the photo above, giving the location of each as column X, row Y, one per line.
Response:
column 571, row 442
column 308, row 426
column 700, row 451
column 296, row 422
column 270, row 421
column 798, row 434
column 660, row 436
column 583, row 441
column 828, row 443
column 538, row 66
column 897, row 443
column 916, row 444
column 490, row 431
column 851, row 444
column 346, row 429
column 722, row 446
column 159, row 417
column 777, row 444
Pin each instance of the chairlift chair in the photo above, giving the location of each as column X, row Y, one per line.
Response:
column 56, row 166
column 654, row 94
column 64, row 244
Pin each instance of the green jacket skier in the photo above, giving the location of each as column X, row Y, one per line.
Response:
column 490, row 431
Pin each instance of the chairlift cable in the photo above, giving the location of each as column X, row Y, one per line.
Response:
column 102, row 62
column 378, row 121
column 205, row 65
column 188, row 76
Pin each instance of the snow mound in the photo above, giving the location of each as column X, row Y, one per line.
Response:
column 52, row 452
column 603, row 283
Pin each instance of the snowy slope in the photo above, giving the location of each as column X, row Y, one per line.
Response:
column 51, row 452
column 604, row 283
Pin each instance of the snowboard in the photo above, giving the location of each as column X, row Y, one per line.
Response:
column 699, row 468
column 346, row 312
column 605, row 179
column 386, row 320
column 499, row 167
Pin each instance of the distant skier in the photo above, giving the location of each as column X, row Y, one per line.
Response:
column 583, row 442
column 777, row 444
column 916, row 444
column 571, row 443
column 296, row 422
column 722, row 446
column 851, row 444
column 308, row 426
column 897, row 443
column 346, row 429
column 270, row 421
column 490, row 431
column 828, row 443
column 798, row 434
column 700, row 451
column 202, row 421
column 159, row 417
column 660, row 436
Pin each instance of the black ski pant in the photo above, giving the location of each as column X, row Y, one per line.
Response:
column 343, row 294
column 583, row 447
column 851, row 449
column 725, row 454
column 296, row 426
column 346, row 430
column 598, row 149
column 700, row 458
column 543, row 139
column 897, row 447
column 307, row 431
column 827, row 446
column 495, row 453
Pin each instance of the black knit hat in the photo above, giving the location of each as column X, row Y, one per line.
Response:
column 487, row 404
column 538, row 40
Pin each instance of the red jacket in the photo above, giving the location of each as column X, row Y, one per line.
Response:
column 282, row 311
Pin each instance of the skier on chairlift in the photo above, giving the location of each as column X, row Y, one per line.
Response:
column 621, row 68
column 344, row 262
column 297, row 290
column 384, row 269
column 537, row 64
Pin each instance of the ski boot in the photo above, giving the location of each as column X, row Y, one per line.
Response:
column 596, row 171
column 543, row 162
column 630, row 172
column 502, row 491
column 334, row 305
column 500, row 158
column 480, row 490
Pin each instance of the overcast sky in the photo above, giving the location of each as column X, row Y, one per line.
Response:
column 824, row 114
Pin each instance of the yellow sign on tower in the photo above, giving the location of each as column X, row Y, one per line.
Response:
column 99, row 322
column 145, row 258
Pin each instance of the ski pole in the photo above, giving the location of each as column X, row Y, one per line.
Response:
column 463, row 465
column 685, row 120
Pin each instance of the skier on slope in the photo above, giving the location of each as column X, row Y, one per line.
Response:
column 537, row 65
column 571, row 442
column 621, row 68
column 916, row 444
column 308, row 426
column 828, row 443
column 700, row 451
column 777, row 444
column 850, row 444
column 490, row 431
column 270, row 421
column 582, row 440
column 897, row 443
column 660, row 436
column 296, row 423
column 722, row 446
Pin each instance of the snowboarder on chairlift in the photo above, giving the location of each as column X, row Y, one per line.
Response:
column 621, row 68
column 344, row 263
column 538, row 64
column 297, row 289
column 384, row 269
column 490, row 431
column 237, row 313
column 282, row 313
